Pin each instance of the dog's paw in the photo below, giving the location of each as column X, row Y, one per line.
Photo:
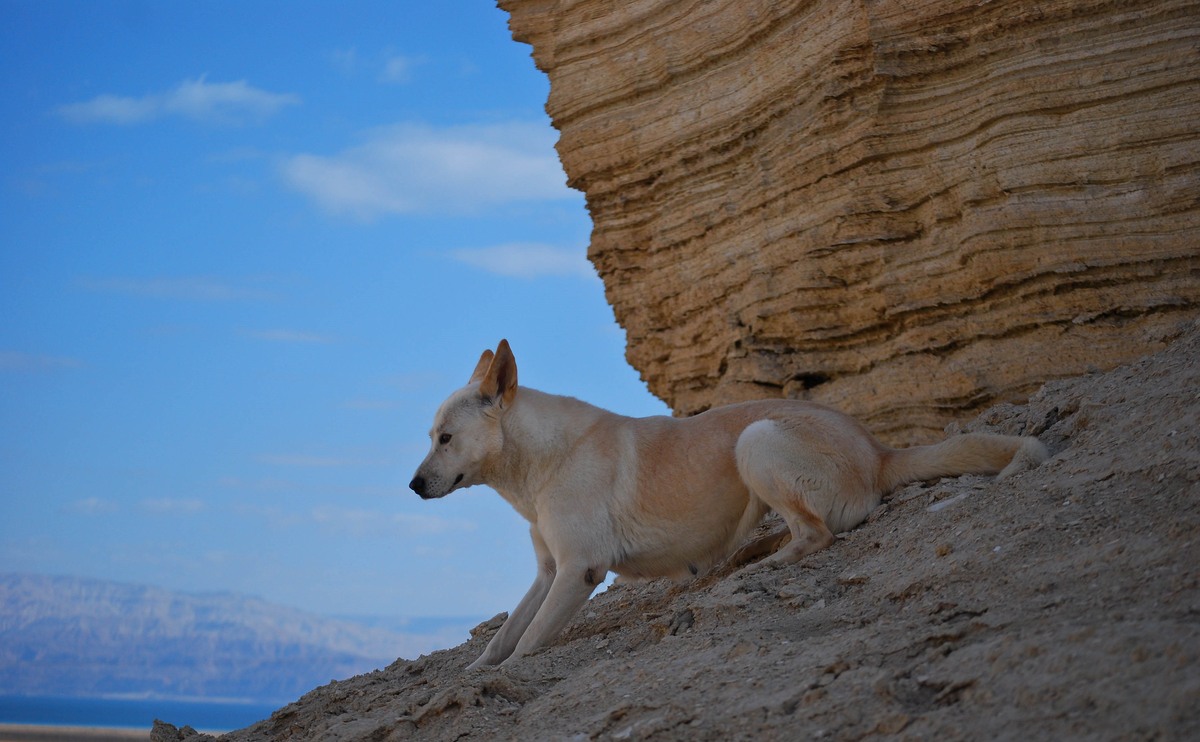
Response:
column 762, row 565
column 482, row 661
column 760, row 547
column 1030, row 455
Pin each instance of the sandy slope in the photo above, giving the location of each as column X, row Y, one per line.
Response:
column 1061, row 604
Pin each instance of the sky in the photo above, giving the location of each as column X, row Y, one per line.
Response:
column 246, row 249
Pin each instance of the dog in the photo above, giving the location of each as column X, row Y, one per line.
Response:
column 667, row 497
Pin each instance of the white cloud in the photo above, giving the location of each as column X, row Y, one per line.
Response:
column 237, row 154
column 397, row 69
column 345, row 60
column 289, row 459
column 367, row 404
column 527, row 260
column 421, row 169
column 264, row 484
column 193, row 288
column 91, row 506
column 169, row 506
column 73, row 167
column 276, row 517
column 111, row 109
column 220, row 102
column 32, row 187
column 413, row 382
column 287, row 336
column 283, row 485
column 360, row 523
column 170, row 331
column 392, row 68
column 13, row 360
column 356, row 523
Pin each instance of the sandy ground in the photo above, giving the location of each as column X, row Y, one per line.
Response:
column 1063, row 603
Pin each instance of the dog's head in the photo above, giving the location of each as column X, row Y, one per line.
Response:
column 466, row 430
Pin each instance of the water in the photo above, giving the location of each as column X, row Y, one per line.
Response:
column 126, row 712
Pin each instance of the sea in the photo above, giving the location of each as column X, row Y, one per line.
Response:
column 131, row 712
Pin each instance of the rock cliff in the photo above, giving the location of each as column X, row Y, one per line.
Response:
column 907, row 210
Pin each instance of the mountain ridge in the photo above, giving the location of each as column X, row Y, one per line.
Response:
column 80, row 636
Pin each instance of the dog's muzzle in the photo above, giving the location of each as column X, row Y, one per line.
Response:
column 419, row 485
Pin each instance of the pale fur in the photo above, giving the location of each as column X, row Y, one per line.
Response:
column 661, row 496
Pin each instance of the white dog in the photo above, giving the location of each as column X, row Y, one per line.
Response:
column 661, row 496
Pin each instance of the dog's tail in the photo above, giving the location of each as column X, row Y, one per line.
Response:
column 973, row 453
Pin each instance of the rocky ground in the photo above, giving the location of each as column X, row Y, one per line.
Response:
column 1063, row 603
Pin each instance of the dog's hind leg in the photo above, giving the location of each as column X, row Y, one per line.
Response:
column 760, row 547
column 778, row 470
column 809, row 534
column 505, row 640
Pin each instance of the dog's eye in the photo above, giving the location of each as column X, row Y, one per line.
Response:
column 444, row 438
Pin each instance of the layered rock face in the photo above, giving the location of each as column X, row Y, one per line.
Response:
column 906, row 210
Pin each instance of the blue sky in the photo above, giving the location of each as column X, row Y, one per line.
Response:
column 247, row 249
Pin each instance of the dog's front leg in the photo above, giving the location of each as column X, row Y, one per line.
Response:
column 505, row 640
column 573, row 583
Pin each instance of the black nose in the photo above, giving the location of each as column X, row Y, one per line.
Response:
column 418, row 485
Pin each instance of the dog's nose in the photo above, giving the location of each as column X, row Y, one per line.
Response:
column 418, row 485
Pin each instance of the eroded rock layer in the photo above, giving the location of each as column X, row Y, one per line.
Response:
column 906, row 210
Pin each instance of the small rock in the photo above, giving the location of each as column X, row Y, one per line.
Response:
column 892, row 724
column 164, row 732
column 491, row 625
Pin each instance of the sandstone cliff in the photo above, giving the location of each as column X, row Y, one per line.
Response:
column 907, row 210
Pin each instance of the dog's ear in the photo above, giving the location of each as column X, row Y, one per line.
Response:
column 500, row 381
column 481, row 368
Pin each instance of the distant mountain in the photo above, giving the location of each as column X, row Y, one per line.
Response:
column 75, row 636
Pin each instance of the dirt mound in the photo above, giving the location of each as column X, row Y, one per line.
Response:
column 1063, row 603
